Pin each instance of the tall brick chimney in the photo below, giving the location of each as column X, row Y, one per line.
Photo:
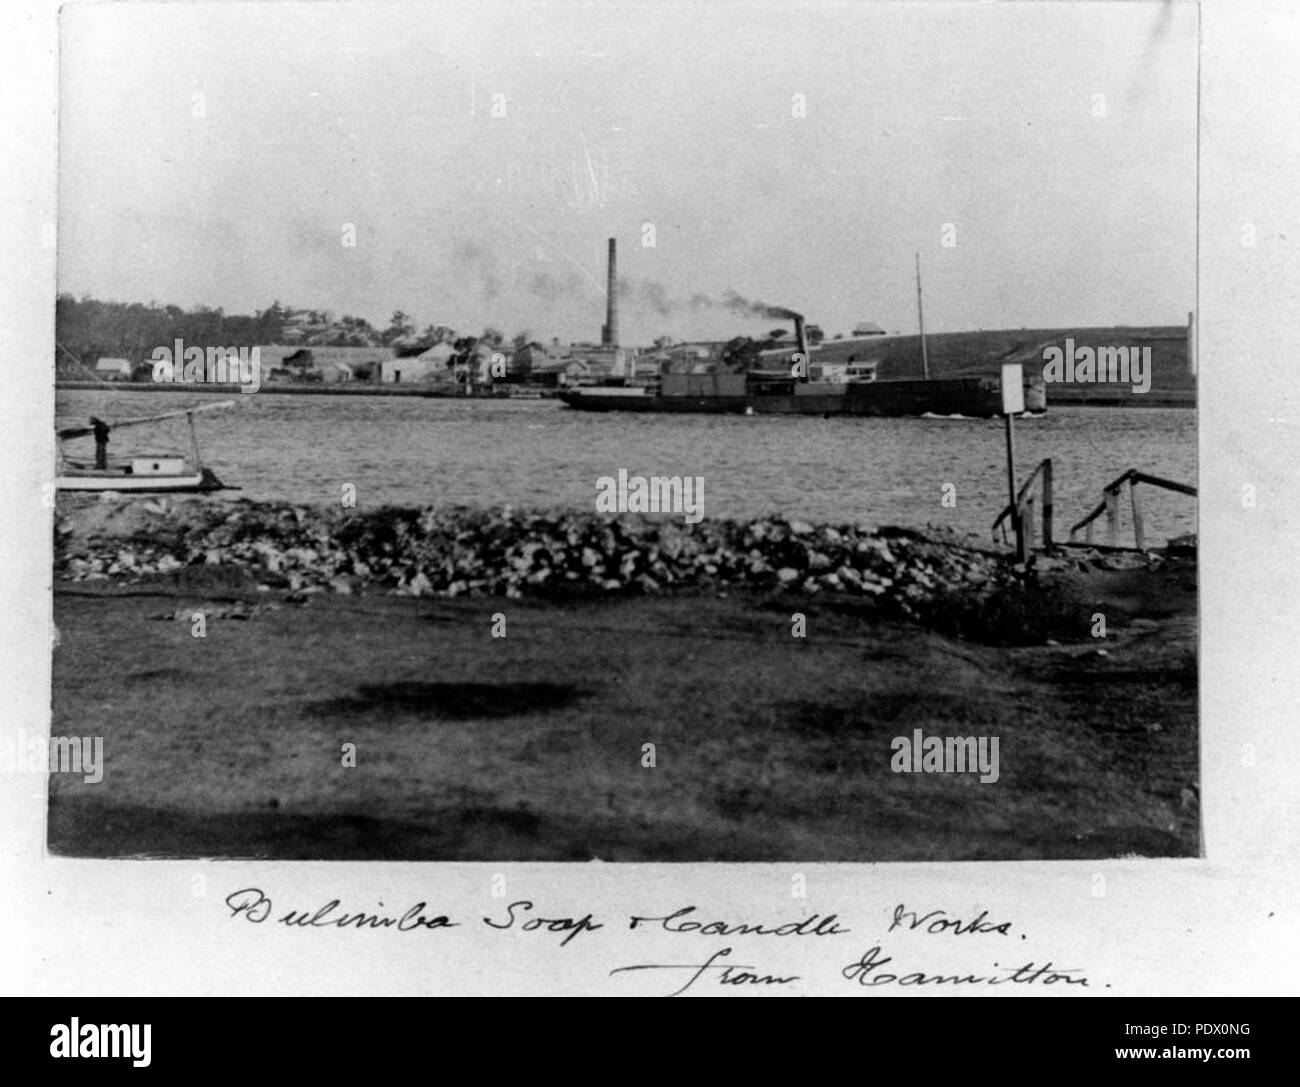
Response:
column 609, row 333
column 801, row 335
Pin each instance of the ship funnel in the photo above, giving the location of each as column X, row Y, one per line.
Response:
column 801, row 335
column 609, row 334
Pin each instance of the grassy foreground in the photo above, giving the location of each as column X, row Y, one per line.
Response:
column 530, row 747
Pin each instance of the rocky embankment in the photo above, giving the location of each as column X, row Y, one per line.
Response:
column 504, row 552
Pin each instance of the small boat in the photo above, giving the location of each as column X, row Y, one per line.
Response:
column 139, row 473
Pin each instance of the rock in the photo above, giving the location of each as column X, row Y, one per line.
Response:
column 876, row 550
column 459, row 550
column 419, row 585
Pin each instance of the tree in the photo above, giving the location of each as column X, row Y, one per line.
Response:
column 464, row 352
column 740, row 354
column 814, row 333
column 492, row 337
column 398, row 328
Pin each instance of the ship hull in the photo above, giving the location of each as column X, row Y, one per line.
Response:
column 970, row 396
column 203, row 481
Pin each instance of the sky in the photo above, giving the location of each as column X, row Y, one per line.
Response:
column 477, row 157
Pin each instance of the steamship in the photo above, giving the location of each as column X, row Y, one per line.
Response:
column 793, row 390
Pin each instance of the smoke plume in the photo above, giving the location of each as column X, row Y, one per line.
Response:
column 657, row 297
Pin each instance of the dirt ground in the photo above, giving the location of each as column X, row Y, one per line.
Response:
column 531, row 746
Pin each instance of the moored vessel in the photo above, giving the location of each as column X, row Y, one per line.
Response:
column 139, row 473
column 793, row 390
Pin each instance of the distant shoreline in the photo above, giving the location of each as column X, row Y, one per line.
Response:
column 342, row 389
column 1157, row 398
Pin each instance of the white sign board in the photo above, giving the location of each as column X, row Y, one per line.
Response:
column 1013, row 388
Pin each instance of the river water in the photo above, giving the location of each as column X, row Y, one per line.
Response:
column 541, row 454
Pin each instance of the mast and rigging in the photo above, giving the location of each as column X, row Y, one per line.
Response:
column 920, row 320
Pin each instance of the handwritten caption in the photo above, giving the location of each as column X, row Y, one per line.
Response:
column 871, row 969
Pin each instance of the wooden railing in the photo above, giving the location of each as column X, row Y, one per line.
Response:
column 1022, row 513
column 1109, row 505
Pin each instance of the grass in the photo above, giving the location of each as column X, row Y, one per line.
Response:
column 530, row 747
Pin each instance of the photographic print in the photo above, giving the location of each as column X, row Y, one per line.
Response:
column 677, row 432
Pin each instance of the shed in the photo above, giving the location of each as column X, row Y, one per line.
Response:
column 113, row 369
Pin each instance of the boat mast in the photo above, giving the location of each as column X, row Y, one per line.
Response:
column 920, row 320
column 194, row 441
column 81, row 431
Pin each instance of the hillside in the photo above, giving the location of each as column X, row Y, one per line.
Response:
column 983, row 352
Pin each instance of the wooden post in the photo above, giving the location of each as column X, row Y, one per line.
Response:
column 1028, row 522
column 1047, row 503
column 1138, row 534
column 1087, row 537
column 194, row 442
column 1013, row 402
column 1112, row 518
column 1011, row 487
